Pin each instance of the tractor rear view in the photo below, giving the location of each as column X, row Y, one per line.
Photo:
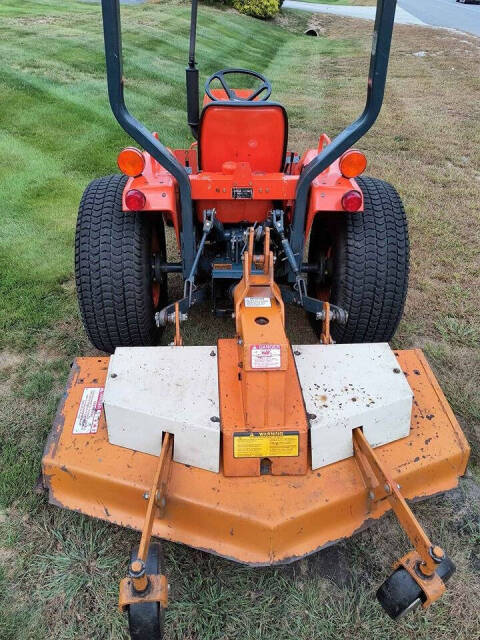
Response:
column 253, row 449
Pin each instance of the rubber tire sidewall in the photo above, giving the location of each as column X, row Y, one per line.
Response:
column 370, row 264
column 113, row 268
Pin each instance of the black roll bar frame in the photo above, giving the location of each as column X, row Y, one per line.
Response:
column 192, row 76
column 382, row 38
column 113, row 56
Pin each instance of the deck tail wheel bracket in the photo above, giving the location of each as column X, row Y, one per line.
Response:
column 419, row 577
column 145, row 595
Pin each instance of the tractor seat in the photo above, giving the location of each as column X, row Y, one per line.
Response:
column 253, row 132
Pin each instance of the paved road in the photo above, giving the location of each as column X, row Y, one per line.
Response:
column 121, row 1
column 368, row 13
column 440, row 13
column 445, row 13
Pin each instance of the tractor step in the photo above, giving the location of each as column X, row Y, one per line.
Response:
column 258, row 520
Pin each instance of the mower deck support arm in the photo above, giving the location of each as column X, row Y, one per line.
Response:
column 421, row 563
column 113, row 56
column 382, row 39
column 140, row 587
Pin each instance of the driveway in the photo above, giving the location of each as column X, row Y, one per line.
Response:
column 367, row 13
column 121, row 1
column 445, row 13
column 438, row 13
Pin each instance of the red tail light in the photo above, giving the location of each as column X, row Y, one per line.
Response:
column 352, row 201
column 135, row 200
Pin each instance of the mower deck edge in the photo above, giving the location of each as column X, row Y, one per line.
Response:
column 258, row 521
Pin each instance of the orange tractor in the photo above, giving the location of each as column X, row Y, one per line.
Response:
column 253, row 449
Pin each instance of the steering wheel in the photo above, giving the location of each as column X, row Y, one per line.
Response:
column 232, row 96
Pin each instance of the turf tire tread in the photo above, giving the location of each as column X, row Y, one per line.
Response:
column 112, row 268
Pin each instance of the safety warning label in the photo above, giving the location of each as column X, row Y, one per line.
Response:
column 89, row 411
column 266, row 356
column 269, row 444
column 258, row 303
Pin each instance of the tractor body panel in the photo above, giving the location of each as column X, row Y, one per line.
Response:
column 239, row 194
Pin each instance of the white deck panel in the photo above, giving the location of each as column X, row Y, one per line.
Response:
column 349, row 386
column 150, row 390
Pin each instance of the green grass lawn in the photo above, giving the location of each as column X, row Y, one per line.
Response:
column 59, row 571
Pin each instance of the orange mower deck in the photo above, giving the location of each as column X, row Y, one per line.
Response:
column 254, row 520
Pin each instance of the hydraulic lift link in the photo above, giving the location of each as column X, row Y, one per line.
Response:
column 423, row 561
column 325, row 337
column 189, row 287
column 178, row 340
column 140, row 587
column 300, row 284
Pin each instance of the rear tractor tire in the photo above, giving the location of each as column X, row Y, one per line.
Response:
column 114, row 256
column 363, row 263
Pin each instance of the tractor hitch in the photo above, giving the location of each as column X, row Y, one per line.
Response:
column 208, row 224
column 297, row 294
column 192, row 294
column 167, row 315
column 312, row 305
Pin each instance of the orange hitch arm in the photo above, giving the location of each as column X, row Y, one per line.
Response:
column 178, row 340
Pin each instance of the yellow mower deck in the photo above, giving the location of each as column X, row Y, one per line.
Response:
column 255, row 520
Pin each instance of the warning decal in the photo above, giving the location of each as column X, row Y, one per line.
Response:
column 269, row 444
column 266, row 356
column 89, row 411
column 258, row 303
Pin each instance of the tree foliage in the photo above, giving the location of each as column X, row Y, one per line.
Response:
column 257, row 8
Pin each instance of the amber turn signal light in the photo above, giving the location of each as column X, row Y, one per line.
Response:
column 131, row 162
column 353, row 163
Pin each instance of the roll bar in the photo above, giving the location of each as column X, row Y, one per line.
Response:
column 193, row 93
column 113, row 55
column 382, row 39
